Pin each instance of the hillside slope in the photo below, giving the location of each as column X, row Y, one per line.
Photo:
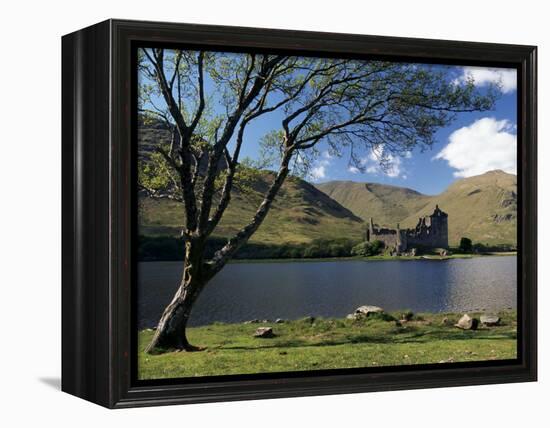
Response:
column 483, row 207
column 386, row 204
column 299, row 214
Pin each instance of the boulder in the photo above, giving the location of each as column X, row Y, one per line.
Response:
column 264, row 332
column 279, row 321
column 254, row 321
column 407, row 316
column 467, row 322
column 366, row 310
column 489, row 320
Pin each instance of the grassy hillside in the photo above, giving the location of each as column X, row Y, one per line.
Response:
column 386, row 204
column 483, row 208
column 299, row 214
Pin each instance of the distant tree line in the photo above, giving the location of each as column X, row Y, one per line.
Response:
column 173, row 249
column 467, row 246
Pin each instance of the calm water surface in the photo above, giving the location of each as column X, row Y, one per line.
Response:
column 244, row 291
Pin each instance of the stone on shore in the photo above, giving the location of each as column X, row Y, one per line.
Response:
column 489, row 320
column 264, row 332
column 407, row 316
column 279, row 321
column 467, row 322
column 368, row 309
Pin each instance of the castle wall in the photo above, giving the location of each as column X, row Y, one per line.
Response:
column 430, row 232
column 388, row 237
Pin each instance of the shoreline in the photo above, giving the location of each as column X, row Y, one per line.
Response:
column 360, row 259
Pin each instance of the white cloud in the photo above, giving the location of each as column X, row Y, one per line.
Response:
column 319, row 171
column 485, row 145
column 354, row 170
column 327, row 155
column 483, row 76
column 380, row 162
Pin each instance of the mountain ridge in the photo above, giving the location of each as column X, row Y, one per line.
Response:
column 482, row 207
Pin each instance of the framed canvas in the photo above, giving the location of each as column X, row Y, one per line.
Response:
column 252, row 213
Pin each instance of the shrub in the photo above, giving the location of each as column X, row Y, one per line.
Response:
column 366, row 249
column 465, row 245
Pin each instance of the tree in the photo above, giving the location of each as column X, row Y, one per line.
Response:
column 208, row 100
column 465, row 245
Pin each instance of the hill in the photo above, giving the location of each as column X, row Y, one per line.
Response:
column 483, row 207
column 386, row 204
column 300, row 213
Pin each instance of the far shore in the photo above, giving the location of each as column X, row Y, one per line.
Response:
column 361, row 259
column 376, row 258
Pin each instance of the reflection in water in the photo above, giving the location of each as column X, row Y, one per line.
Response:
column 333, row 289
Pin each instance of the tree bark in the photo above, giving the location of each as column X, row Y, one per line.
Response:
column 171, row 329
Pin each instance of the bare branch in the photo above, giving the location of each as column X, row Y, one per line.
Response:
column 200, row 108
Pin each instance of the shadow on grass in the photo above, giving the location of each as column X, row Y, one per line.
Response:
column 406, row 337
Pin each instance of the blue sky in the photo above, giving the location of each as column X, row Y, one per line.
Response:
column 472, row 144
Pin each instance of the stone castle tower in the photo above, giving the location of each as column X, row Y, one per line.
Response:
column 430, row 232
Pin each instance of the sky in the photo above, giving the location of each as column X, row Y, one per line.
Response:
column 472, row 144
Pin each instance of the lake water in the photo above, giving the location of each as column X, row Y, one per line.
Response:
column 244, row 291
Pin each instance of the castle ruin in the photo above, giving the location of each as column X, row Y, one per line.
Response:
column 430, row 232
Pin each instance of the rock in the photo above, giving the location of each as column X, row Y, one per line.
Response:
column 407, row 316
column 445, row 321
column 367, row 310
column 489, row 320
column 264, row 332
column 254, row 321
column 279, row 321
column 467, row 322
column 350, row 317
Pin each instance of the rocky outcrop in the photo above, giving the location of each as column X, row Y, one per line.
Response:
column 467, row 322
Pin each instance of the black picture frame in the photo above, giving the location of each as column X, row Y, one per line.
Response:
column 98, row 357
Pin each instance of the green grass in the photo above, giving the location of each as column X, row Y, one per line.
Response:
column 329, row 344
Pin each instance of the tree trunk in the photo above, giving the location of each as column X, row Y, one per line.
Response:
column 171, row 329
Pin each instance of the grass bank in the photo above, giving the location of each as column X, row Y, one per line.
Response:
column 331, row 343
